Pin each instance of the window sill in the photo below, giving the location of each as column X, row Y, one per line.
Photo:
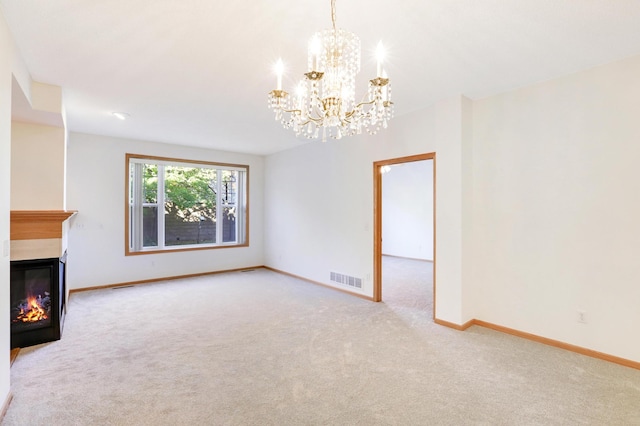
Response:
column 174, row 249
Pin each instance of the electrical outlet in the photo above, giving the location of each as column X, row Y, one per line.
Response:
column 582, row 317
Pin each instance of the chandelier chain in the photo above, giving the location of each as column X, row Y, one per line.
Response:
column 333, row 14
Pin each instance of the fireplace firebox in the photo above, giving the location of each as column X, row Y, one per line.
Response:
column 38, row 289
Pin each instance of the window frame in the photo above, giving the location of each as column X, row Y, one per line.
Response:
column 242, row 200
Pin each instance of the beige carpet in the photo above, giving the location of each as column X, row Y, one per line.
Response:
column 407, row 289
column 260, row 348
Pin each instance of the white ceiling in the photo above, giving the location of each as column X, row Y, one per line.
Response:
column 197, row 72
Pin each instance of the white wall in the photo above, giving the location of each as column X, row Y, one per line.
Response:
column 96, row 188
column 11, row 64
column 557, row 208
column 407, row 210
column 5, row 187
column 319, row 213
column 37, row 167
column 470, row 291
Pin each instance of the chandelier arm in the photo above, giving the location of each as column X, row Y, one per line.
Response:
column 371, row 102
column 290, row 111
column 316, row 120
column 348, row 115
column 361, row 104
column 319, row 116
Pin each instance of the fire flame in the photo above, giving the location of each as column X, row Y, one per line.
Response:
column 33, row 313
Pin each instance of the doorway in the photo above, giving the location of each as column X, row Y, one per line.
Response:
column 407, row 251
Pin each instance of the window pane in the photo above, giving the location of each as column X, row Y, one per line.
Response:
column 150, row 187
column 189, row 205
column 229, row 197
column 229, row 186
column 132, row 169
column 182, row 232
column 149, row 226
column 214, row 211
column 228, row 224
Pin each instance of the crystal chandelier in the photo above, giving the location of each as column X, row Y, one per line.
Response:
column 324, row 100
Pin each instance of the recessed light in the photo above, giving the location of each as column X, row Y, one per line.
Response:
column 121, row 115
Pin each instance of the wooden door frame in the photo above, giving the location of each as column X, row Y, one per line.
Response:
column 377, row 220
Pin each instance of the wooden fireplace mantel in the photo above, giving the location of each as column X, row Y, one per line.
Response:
column 38, row 224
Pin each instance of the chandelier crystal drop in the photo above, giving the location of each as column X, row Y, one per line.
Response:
column 324, row 103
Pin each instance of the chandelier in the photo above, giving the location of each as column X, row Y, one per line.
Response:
column 325, row 100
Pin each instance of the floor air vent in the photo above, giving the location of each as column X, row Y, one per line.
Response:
column 346, row 280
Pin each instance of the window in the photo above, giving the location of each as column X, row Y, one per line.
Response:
column 184, row 205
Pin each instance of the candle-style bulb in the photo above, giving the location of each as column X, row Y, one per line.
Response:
column 380, row 58
column 315, row 46
column 279, row 68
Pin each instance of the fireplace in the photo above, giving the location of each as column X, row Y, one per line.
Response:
column 37, row 293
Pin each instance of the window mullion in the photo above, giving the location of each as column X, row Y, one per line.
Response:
column 236, row 206
column 161, row 202
column 136, row 210
column 219, row 215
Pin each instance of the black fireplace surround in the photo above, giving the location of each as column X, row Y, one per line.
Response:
column 38, row 289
